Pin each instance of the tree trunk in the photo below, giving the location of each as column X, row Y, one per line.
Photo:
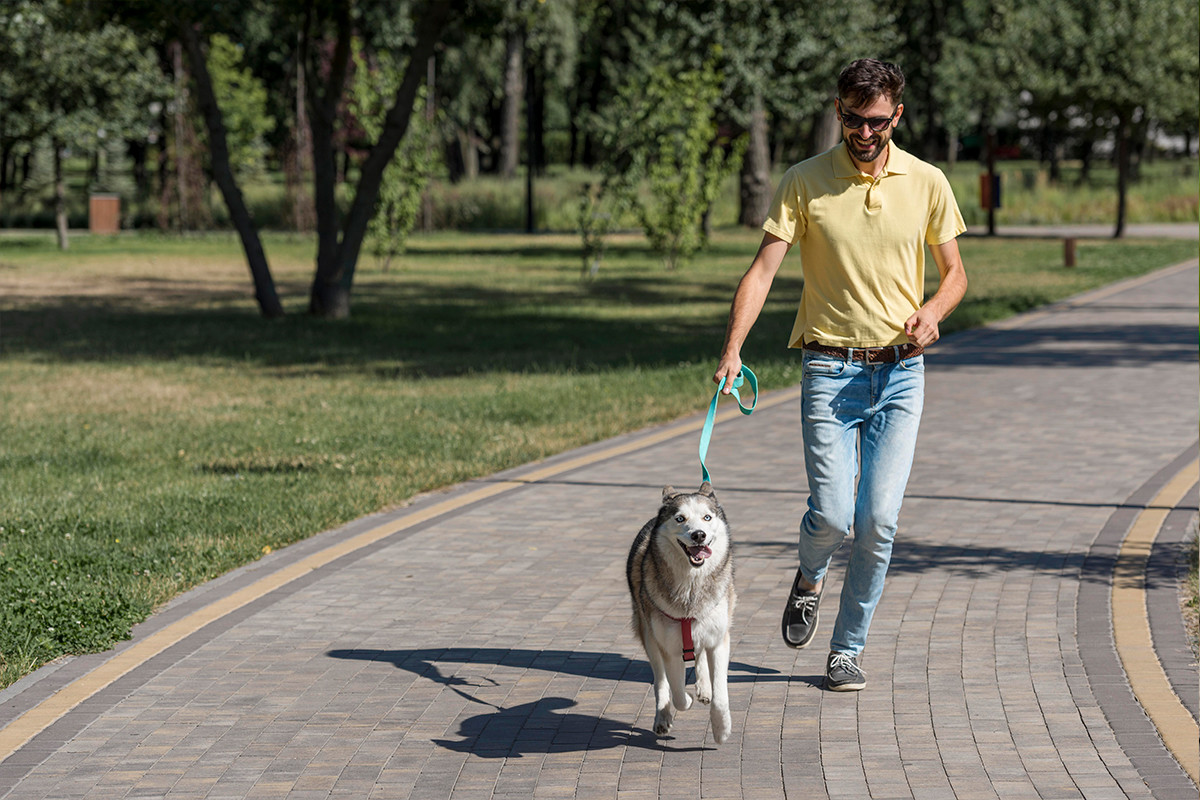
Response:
column 827, row 131
column 329, row 297
column 756, row 169
column 468, row 148
column 1086, row 147
column 1122, row 171
column 60, row 196
column 182, row 152
column 298, row 163
column 430, row 116
column 7, row 162
column 337, row 259
column 990, row 159
column 514, row 89
column 260, row 271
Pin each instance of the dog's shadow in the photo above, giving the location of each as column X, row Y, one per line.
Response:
column 539, row 727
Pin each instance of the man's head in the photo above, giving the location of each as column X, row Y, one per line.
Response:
column 867, row 79
column 869, row 107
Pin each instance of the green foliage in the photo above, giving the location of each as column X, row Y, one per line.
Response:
column 669, row 162
column 243, row 101
column 58, row 76
column 416, row 161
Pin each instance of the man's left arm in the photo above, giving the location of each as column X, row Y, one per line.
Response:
column 922, row 327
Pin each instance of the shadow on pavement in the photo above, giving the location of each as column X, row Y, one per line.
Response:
column 538, row 726
column 1068, row 346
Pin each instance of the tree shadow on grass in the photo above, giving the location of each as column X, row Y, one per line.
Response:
column 397, row 330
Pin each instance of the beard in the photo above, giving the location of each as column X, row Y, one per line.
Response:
column 869, row 149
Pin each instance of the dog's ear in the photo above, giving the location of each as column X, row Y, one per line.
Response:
column 706, row 490
column 668, row 493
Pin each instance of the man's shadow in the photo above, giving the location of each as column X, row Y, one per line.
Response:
column 538, row 726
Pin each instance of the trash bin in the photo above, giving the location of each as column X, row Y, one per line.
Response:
column 104, row 213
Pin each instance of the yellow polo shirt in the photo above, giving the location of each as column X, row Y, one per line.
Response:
column 862, row 243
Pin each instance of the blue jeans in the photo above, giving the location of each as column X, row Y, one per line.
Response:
column 856, row 414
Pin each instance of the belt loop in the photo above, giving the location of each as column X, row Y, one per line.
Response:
column 896, row 351
column 849, row 354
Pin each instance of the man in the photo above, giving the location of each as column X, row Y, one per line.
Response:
column 861, row 215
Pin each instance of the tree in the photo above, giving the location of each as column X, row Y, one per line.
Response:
column 779, row 64
column 663, row 131
column 57, row 83
column 1141, row 62
column 1119, row 63
column 322, row 32
column 339, row 240
column 214, row 120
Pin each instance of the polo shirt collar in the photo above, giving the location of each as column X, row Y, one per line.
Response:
column 898, row 162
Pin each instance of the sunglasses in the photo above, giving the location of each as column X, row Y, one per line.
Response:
column 877, row 124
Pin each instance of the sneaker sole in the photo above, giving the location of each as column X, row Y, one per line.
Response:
column 845, row 687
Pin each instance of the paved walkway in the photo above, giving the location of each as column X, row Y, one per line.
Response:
column 1165, row 230
column 477, row 644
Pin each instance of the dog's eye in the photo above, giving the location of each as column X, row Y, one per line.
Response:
column 708, row 517
column 680, row 518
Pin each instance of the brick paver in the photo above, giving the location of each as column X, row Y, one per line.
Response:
column 487, row 653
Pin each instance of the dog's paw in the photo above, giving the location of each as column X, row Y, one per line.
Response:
column 703, row 693
column 722, row 725
column 662, row 723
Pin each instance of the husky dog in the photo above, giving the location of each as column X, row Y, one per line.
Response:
column 680, row 573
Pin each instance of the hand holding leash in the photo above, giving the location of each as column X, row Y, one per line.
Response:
column 731, row 368
column 746, row 374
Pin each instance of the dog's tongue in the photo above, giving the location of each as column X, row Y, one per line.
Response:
column 699, row 551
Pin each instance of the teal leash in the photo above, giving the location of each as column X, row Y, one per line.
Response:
column 746, row 375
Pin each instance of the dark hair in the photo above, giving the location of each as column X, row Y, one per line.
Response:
column 867, row 79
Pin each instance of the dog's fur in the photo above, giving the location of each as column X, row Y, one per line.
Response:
column 681, row 565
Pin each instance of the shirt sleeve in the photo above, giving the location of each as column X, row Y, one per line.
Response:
column 786, row 218
column 945, row 219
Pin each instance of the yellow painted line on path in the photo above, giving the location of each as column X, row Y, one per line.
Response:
column 1131, row 627
column 22, row 729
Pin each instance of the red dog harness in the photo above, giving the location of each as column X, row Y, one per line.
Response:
column 685, row 629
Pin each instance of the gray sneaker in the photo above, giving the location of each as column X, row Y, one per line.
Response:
column 843, row 675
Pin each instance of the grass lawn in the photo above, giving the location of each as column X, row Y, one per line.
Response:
column 157, row 432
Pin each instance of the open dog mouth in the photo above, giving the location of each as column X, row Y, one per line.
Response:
column 696, row 554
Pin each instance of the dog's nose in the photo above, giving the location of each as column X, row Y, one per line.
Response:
column 699, row 536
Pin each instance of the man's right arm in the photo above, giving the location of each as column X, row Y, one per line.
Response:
column 748, row 302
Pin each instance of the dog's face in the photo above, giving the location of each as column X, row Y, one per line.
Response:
column 696, row 522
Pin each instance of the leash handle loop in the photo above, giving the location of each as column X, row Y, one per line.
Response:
column 745, row 376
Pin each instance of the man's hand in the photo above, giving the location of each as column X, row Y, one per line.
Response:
column 728, row 368
column 922, row 327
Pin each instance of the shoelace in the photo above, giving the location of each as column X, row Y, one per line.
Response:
column 842, row 661
column 805, row 602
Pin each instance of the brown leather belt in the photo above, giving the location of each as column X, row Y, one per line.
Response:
column 871, row 355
